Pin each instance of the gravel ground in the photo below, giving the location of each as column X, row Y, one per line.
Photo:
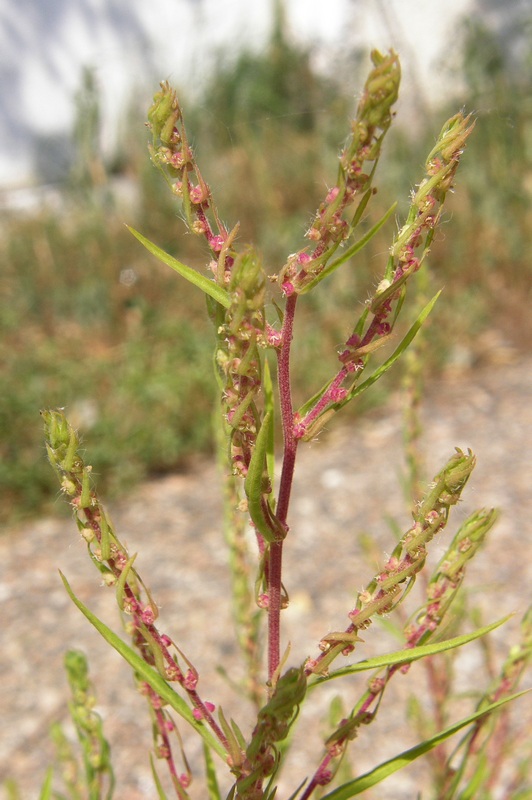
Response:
column 347, row 483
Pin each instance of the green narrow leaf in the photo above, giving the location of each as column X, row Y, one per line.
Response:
column 359, row 327
column 385, row 366
column 105, row 543
column 407, row 656
column 241, row 409
column 410, row 336
column 239, row 735
column 234, row 747
column 161, row 794
column 210, row 772
column 253, row 485
column 351, row 251
column 46, row 789
column 121, row 582
column 405, row 758
column 209, row 287
column 312, row 401
column 477, row 780
column 269, row 408
column 382, row 297
column 147, row 673
column 85, row 496
column 363, row 203
column 295, row 794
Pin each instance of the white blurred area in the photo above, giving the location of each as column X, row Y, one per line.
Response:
column 132, row 44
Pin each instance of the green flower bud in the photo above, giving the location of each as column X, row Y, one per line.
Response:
column 467, row 541
column 164, row 114
column 56, row 428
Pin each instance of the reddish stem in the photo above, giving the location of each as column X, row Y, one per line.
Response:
column 322, row 404
column 274, row 606
column 285, row 487
column 319, row 778
column 287, row 412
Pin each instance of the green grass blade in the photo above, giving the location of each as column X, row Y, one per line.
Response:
column 405, row 758
column 209, row 287
column 407, row 656
column 147, row 673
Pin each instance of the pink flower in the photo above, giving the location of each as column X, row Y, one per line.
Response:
column 332, row 194
column 199, row 714
column 288, row 288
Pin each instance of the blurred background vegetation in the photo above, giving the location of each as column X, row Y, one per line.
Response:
column 91, row 322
